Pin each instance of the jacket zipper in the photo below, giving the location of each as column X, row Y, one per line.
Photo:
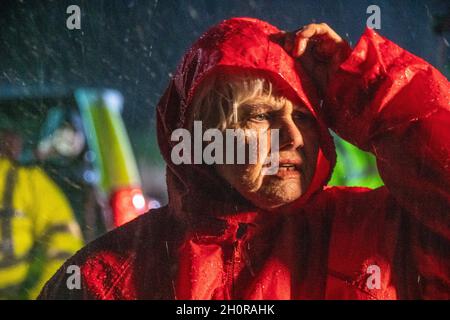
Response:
column 231, row 269
column 235, row 257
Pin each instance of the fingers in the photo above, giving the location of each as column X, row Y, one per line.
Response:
column 326, row 37
column 299, row 46
column 320, row 51
column 317, row 29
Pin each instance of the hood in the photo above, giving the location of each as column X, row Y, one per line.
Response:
column 195, row 191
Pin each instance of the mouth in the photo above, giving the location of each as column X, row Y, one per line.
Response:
column 289, row 164
column 289, row 168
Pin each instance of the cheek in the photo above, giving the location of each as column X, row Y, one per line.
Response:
column 248, row 177
column 244, row 178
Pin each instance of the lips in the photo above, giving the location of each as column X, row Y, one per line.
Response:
column 289, row 168
column 290, row 164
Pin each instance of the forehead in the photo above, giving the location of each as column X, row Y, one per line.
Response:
column 272, row 103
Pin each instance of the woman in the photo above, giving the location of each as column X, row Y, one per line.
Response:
column 232, row 232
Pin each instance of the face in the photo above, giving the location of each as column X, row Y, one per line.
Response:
column 11, row 144
column 298, row 149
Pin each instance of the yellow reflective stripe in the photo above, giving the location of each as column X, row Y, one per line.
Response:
column 70, row 227
column 59, row 255
column 63, row 242
column 13, row 275
column 6, row 263
column 22, row 235
column 11, row 292
column 56, row 228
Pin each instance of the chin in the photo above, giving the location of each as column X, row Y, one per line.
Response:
column 270, row 197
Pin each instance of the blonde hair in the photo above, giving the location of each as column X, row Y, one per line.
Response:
column 219, row 97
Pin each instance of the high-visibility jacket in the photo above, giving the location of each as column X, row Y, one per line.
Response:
column 38, row 230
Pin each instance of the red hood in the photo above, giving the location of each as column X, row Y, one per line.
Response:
column 237, row 43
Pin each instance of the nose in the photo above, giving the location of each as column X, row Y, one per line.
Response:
column 291, row 137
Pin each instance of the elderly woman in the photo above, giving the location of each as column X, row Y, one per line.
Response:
column 232, row 231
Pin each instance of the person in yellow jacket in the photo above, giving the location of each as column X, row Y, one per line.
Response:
column 38, row 230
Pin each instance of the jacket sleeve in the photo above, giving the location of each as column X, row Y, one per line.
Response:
column 387, row 101
column 58, row 236
column 397, row 106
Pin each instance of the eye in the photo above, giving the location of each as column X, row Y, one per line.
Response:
column 303, row 117
column 260, row 117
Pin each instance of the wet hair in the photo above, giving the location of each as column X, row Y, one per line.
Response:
column 218, row 98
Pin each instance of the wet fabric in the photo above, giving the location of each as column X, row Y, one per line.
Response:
column 209, row 243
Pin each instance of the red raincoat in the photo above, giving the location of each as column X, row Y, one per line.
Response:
column 334, row 242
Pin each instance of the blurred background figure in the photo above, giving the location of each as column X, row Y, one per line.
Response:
column 38, row 231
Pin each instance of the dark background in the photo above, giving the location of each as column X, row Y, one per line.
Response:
column 134, row 45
